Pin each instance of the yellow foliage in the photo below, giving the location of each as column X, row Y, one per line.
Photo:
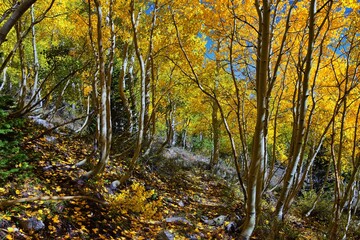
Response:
column 87, row 90
column 136, row 200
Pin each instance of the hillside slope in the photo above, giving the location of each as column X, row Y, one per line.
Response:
column 171, row 195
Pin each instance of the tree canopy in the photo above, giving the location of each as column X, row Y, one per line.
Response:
column 260, row 86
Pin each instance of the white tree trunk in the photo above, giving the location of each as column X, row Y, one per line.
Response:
column 258, row 149
column 36, row 60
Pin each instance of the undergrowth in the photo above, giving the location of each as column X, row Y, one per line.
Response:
column 135, row 199
column 14, row 161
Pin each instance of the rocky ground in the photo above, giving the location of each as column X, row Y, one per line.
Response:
column 172, row 195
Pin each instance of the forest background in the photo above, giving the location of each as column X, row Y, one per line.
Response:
column 258, row 86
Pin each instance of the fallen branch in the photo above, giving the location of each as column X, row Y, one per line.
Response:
column 7, row 203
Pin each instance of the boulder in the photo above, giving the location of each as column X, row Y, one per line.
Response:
column 165, row 235
column 114, row 185
column 178, row 220
column 218, row 221
column 230, row 227
column 32, row 224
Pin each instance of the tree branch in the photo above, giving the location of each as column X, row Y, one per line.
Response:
column 15, row 16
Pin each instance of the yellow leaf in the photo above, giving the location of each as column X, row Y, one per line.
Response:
column 2, row 190
column 58, row 189
column 56, row 219
column 9, row 237
column 10, row 229
column 17, row 191
column 83, row 228
column 52, row 228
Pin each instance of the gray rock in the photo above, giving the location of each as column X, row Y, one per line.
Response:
column 50, row 138
column 178, row 220
column 220, row 220
column 4, row 224
column 207, row 221
column 114, row 184
column 42, row 122
column 165, row 235
column 230, row 227
column 181, row 203
column 32, row 224
column 193, row 237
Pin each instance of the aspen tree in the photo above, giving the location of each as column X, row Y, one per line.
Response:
column 258, row 149
column 142, row 63
column 300, row 127
column 105, row 75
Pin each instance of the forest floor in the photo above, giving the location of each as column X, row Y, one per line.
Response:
column 179, row 197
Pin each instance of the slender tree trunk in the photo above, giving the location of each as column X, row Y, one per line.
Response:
column 258, row 149
column 214, row 117
column 23, row 82
column 140, row 135
column 94, row 83
column 245, row 153
column 320, row 193
column 34, row 90
column 4, row 79
column 133, row 103
column 216, row 134
column 154, row 79
column 170, row 124
column 86, row 122
column 146, row 140
column 59, row 100
column 300, row 126
column 227, row 128
column 122, row 88
column 342, row 192
column 105, row 75
column 149, row 69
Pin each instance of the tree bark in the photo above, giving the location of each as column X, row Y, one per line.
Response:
column 140, row 135
column 34, row 90
column 149, row 68
column 297, row 139
column 14, row 18
column 105, row 83
column 4, row 79
column 122, row 88
column 216, row 134
column 23, row 82
column 214, row 117
column 254, row 187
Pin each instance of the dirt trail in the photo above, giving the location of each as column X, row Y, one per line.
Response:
column 198, row 204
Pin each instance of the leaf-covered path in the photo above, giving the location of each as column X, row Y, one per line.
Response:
column 192, row 203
